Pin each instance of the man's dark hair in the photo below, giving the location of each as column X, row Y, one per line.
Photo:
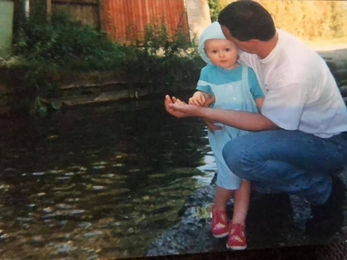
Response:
column 247, row 20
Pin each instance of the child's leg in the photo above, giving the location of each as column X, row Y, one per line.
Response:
column 221, row 198
column 237, row 237
column 226, row 183
column 241, row 203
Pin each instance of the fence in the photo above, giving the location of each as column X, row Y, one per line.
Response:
column 124, row 21
column 84, row 11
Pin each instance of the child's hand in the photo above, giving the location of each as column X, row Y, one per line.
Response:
column 198, row 99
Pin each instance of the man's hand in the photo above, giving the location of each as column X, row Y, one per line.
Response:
column 171, row 108
column 211, row 126
column 180, row 109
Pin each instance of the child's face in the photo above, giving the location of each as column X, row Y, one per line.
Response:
column 222, row 53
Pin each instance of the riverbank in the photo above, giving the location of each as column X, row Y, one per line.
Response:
column 336, row 57
column 99, row 87
column 272, row 223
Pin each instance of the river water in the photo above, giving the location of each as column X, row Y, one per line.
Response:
column 97, row 181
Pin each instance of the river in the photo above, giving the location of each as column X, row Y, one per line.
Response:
column 97, row 181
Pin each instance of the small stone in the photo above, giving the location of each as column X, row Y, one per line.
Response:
column 4, row 236
column 38, row 173
column 93, row 234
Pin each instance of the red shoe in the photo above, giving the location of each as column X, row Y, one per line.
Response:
column 219, row 223
column 237, row 237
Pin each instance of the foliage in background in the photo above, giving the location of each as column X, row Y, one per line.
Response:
column 50, row 49
column 214, row 9
column 309, row 20
column 216, row 6
column 163, row 61
column 63, row 47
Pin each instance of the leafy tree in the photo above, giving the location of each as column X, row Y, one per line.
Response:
column 309, row 20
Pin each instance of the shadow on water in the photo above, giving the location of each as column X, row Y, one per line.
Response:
column 101, row 180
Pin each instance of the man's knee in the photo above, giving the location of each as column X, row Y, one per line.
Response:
column 232, row 156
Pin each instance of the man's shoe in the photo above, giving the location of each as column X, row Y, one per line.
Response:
column 327, row 219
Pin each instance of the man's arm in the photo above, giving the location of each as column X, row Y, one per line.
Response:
column 238, row 119
column 259, row 102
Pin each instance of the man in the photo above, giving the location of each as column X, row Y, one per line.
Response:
column 298, row 145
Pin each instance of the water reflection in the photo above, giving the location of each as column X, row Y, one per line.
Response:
column 96, row 181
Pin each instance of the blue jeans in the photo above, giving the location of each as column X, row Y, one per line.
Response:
column 288, row 161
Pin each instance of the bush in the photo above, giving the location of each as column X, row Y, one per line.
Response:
column 163, row 61
column 63, row 47
column 66, row 43
column 56, row 48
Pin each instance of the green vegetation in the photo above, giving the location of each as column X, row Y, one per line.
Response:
column 161, row 61
column 309, row 20
column 52, row 53
column 215, row 8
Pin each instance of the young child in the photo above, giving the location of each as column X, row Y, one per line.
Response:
column 234, row 87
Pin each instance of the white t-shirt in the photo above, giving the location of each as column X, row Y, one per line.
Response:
column 300, row 91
